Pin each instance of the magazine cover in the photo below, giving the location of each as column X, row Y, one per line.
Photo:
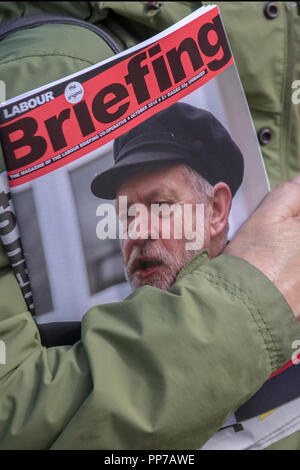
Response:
column 57, row 138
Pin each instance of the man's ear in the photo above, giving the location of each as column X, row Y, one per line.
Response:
column 220, row 207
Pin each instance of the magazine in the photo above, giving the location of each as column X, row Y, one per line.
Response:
column 56, row 138
column 58, row 218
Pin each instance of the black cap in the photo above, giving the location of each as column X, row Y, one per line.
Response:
column 180, row 133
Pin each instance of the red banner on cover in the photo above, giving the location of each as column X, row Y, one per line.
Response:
column 76, row 116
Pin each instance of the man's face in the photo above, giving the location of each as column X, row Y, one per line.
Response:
column 156, row 261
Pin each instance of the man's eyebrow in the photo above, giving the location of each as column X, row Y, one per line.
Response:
column 158, row 194
column 161, row 193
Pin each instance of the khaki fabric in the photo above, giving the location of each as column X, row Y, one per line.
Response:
column 288, row 443
column 267, row 54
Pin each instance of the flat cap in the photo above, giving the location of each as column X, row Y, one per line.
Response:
column 180, row 133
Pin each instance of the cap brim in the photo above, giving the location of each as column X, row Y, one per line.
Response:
column 106, row 184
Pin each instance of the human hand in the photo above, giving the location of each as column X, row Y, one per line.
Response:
column 270, row 241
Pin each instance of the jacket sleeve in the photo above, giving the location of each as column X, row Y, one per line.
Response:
column 160, row 370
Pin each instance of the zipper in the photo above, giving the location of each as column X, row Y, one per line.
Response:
column 33, row 21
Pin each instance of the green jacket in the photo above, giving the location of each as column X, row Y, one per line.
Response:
column 161, row 369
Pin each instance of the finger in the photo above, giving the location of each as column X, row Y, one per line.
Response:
column 283, row 201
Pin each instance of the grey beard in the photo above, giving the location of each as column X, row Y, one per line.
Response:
column 168, row 273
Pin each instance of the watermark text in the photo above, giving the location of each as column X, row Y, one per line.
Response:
column 2, row 352
column 159, row 221
column 296, row 93
column 2, row 91
column 296, row 354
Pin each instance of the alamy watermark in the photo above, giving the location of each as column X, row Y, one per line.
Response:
column 2, row 91
column 162, row 221
column 295, row 358
column 296, row 93
column 2, row 352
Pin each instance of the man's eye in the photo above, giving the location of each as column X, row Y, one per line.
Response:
column 161, row 203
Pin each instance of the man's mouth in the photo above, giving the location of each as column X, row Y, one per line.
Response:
column 146, row 267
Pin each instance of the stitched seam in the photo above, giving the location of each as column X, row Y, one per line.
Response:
column 192, row 265
column 47, row 55
column 256, row 308
column 211, row 279
column 249, row 299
